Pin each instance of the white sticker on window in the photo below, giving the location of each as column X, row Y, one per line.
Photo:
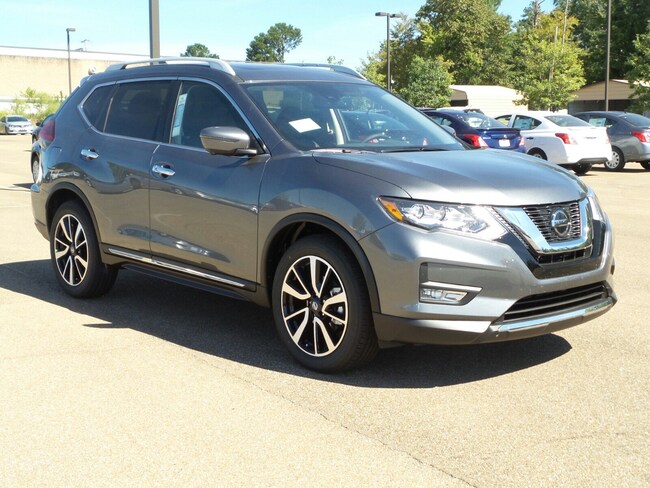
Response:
column 304, row 125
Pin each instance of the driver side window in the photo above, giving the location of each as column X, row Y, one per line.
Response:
column 198, row 106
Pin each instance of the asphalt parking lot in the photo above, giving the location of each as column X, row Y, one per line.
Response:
column 159, row 385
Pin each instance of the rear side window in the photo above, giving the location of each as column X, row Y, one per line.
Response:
column 137, row 110
column 96, row 106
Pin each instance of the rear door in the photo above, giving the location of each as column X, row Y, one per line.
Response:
column 128, row 123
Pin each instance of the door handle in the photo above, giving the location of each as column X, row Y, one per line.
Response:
column 89, row 154
column 529, row 138
column 163, row 170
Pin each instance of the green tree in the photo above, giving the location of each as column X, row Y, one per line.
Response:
column 629, row 19
column 197, row 50
column 639, row 74
column 548, row 69
column 273, row 45
column 472, row 35
column 373, row 67
column 35, row 105
column 429, row 83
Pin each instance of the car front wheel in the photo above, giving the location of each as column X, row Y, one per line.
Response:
column 617, row 162
column 75, row 256
column 645, row 165
column 321, row 306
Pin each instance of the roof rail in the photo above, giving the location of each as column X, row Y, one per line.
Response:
column 333, row 67
column 213, row 63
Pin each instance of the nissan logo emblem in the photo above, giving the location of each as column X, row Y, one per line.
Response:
column 560, row 222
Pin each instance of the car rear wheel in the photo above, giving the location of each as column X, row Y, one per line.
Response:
column 645, row 165
column 35, row 167
column 617, row 162
column 581, row 168
column 321, row 306
column 538, row 153
column 75, row 256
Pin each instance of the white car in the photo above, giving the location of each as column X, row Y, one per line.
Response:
column 561, row 139
column 15, row 124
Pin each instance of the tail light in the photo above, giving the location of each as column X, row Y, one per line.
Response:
column 566, row 138
column 476, row 140
column 643, row 136
column 47, row 131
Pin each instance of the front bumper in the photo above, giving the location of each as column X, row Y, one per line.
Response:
column 412, row 331
column 403, row 258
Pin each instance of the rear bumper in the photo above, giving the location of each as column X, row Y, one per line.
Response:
column 392, row 330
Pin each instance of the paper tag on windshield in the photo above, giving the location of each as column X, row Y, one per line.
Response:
column 304, row 125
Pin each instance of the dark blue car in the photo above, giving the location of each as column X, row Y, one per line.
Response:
column 478, row 130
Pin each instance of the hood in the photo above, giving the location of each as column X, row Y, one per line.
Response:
column 480, row 177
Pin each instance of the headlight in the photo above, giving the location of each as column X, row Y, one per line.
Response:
column 467, row 219
column 596, row 210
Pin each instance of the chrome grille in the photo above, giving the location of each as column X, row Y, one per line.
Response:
column 541, row 217
column 555, row 302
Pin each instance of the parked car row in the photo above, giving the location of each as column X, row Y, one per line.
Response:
column 575, row 141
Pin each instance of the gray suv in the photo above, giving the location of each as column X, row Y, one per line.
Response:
column 275, row 183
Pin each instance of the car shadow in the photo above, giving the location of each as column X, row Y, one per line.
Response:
column 243, row 332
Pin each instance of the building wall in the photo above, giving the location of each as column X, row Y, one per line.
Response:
column 46, row 70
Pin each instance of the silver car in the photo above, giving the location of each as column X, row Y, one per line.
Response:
column 629, row 134
column 15, row 124
column 257, row 181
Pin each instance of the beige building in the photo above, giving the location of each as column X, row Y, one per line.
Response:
column 46, row 70
column 592, row 97
column 493, row 100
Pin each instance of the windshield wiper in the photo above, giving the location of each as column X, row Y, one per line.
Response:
column 414, row 149
column 339, row 150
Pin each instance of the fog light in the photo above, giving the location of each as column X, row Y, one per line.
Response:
column 448, row 294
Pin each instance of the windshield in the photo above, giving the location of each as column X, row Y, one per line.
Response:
column 16, row 118
column 567, row 121
column 320, row 115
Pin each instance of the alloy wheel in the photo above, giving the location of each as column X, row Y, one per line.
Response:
column 314, row 306
column 71, row 250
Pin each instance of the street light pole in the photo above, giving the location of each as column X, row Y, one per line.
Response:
column 607, row 48
column 67, row 31
column 388, row 17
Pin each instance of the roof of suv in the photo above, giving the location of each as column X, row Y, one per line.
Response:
column 246, row 71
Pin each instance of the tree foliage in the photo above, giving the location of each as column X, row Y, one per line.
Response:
column 35, row 105
column 470, row 34
column 639, row 75
column 629, row 19
column 197, row 50
column 273, row 45
column 550, row 69
column 429, row 84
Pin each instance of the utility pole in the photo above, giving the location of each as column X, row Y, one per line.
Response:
column 609, row 32
column 154, row 29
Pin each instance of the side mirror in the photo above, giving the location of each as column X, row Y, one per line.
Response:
column 227, row 141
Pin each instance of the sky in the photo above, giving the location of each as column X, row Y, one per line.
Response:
column 345, row 29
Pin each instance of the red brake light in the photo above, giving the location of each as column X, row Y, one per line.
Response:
column 47, row 131
column 476, row 140
column 642, row 136
column 566, row 138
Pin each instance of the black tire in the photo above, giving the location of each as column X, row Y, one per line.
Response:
column 581, row 168
column 75, row 256
column 324, row 337
column 538, row 153
column 617, row 163
column 36, row 167
column 645, row 165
